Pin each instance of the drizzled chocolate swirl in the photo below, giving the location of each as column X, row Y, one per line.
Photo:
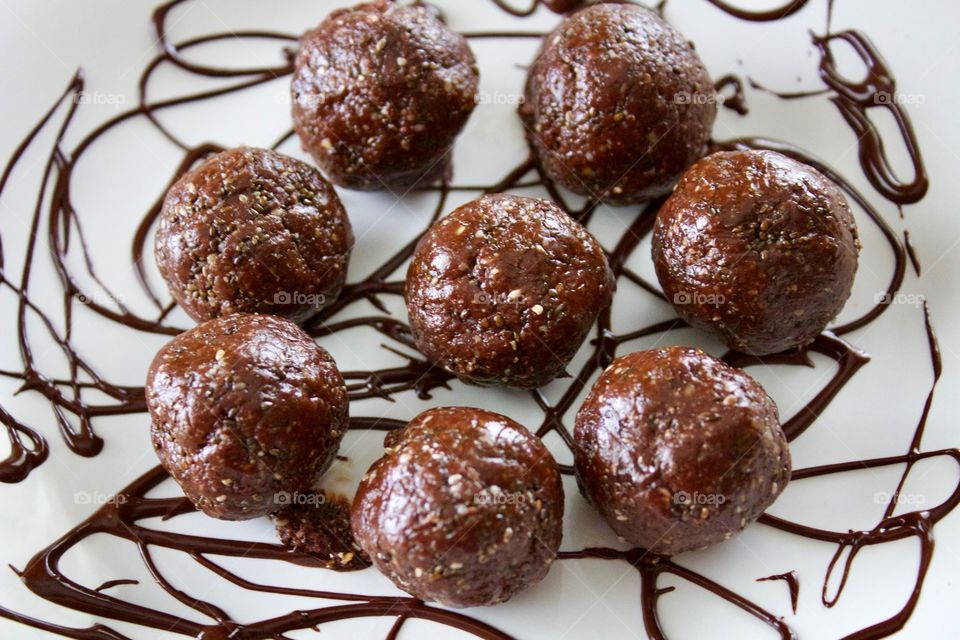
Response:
column 55, row 215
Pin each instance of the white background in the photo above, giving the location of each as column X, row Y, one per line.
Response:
column 42, row 45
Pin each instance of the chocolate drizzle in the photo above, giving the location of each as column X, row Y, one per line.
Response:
column 793, row 583
column 738, row 100
column 777, row 13
column 855, row 99
column 123, row 518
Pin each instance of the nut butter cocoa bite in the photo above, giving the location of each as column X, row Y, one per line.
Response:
column 617, row 104
column 464, row 508
column 757, row 248
column 380, row 92
column 504, row 289
column 245, row 409
column 253, row 230
column 678, row 450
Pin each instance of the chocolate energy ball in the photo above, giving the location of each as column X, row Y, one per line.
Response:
column 253, row 230
column 678, row 450
column 463, row 509
column 504, row 289
column 758, row 248
column 245, row 411
column 380, row 91
column 617, row 104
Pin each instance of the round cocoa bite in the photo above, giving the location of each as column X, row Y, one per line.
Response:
column 245, row 411
column 463, row 509
column 757, row 248
column 253, row 230
column 380, row 92
column 617, row 104
column 504, row 289
column 678, row 450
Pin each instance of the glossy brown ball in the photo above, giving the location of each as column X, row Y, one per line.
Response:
column 617, row 104
column 464, row 508
column 253, row 230
column 504, row 290
column 678, row 450
column 757, row 248
column 245, row 410
column 380, row 92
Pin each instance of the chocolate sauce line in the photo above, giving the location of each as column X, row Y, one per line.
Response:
column 770, row 15
column 121, row 518
column 110, row 584
column 914, row 524
column 517, row 12
column 849, row 360
column 911, row 253
column 793, row 583
column 738, row 100
column 854, row 100
column 173, row 51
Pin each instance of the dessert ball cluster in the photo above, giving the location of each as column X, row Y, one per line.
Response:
column 504, row 289
column 253, row 230
column 678, row 450
column 243, row 409
column 380, row 91
column 617, row 104
column 757, row 248
column 464, row 508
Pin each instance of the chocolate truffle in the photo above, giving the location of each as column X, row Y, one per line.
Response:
column 245, row 411
column 463, row 509
column 758, row 248
column 678, row 450
column 253, row 230
column 617, row 104
column 380, row 91
column 504, row 290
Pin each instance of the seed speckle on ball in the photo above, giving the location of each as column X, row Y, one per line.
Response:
column 238, row 429
column 253, row 230
column 504, row 290
column 617, row 104
column 678, row 450
column 464, row 508
column 757, row 248
column 380, row 92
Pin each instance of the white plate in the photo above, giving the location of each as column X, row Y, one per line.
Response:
column 874, row 416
